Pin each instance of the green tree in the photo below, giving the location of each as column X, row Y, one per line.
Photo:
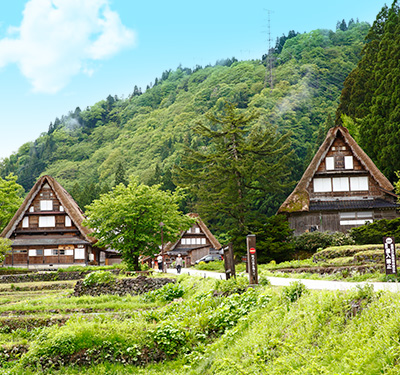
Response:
column 120, row 175
column 371, row 92
column 234, row 174
column 5, row 247
column 128, row 219
column 10, row 198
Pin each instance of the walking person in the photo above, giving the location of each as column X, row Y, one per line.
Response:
column 179, row 263
column 160, row 263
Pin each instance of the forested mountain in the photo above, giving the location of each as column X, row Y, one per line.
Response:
column 145, row 134
column 371, row 95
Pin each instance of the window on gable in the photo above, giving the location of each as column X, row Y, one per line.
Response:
column 359, row 183
column 46, row 205
column 330, row 163
column 68, row 222
column 322, row 185
column 25, row 222
column 340, row 184
column 47, row 221
column 348, row 162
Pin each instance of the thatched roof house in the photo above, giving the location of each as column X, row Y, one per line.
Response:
column 194, row 243
column 47, row 230
column 341, row 188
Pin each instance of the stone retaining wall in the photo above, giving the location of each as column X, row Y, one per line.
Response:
column 134, row 286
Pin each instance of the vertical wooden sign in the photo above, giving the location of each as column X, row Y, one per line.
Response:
column 390, row 255
column 252, row 259
column 229, row 262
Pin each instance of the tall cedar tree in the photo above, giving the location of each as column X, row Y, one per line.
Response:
column 241, row 167
column 10, row 199
column 371, row 92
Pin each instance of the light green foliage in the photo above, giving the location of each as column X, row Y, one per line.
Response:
column 99, row 277
column 148, row 132
column 10, row 198
column 128, row 219
column 294, row 291
column 233, row 285
column 5, row 246
column 217, row 265
column 166, row 293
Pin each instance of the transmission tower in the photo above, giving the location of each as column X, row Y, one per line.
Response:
column 270, row 57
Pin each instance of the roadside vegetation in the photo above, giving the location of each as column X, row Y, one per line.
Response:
column 200, row 326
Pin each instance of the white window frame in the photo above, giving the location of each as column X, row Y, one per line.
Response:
column 348, row 162
column 46, row 205
column 25, row 222
column 47, row 221
column 68, row 221
column 322, row 185
column 330, row 163
column 197, row 230
column 79, row 253
column 359, row 183
column 340, row 184
column 32, row 252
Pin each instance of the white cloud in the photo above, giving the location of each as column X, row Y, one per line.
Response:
column 57, row 38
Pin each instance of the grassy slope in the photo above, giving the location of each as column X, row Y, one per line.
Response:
column 322, row 332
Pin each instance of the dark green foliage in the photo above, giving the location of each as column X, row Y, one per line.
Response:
column 274, row 239
column 312, row 241
column 85, row 146
column 120, row 175
column 371, row 92
column 374, row 232
column 232, row 176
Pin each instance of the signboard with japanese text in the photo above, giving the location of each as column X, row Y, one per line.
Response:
column 252, row 259
column 390, row 255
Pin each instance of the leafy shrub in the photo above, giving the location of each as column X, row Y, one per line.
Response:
column 99, row 277
column 168, row 292
column 171, row 339
column 233, row 285
column 217, row 265
column 294, row 291
column 311, row 242
column 372, row 233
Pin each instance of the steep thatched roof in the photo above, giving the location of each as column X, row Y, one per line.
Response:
column 69, row 204
column 299, row 200
column 214, row 242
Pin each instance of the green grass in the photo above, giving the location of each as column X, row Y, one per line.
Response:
column 261, row 331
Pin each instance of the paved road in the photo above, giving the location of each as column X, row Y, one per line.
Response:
column 310, row 284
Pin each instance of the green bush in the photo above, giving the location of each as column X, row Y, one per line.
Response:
column 312, row 241
column 294, row 291
column 99, row 277
column 233, row 285
column 217, row 265
column 372, row 233
column 167, row 293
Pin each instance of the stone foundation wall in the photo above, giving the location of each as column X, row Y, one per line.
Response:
column 133, row 286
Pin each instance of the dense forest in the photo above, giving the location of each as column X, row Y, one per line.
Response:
column 370, row 102
column 145, row 135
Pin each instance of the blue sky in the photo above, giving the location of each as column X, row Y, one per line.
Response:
column 56, row 55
